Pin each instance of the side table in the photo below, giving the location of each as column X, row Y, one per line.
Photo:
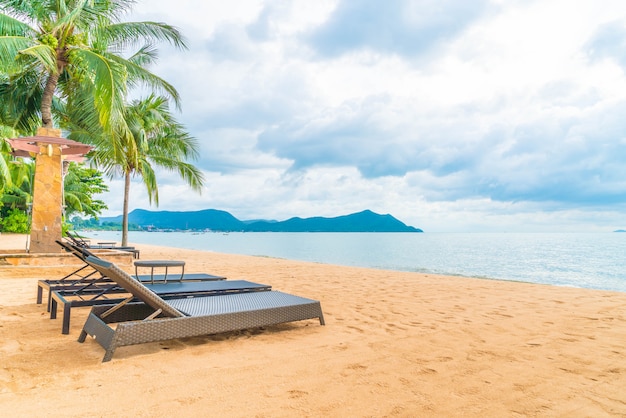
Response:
column 152, row 264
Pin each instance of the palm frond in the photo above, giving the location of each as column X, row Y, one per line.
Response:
column 111, row 10
column 109, row 84
column 145, row 56
column 44, row 54
column 21, row 99
column 130, row 34
column 139, row 76
column 5, row 172
column 10, row 26
column 79, row 13
column 149, row 180
column 10, row 47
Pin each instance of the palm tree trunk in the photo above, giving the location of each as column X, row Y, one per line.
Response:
column 46, row 100
column 51, row 86
column 125, row 210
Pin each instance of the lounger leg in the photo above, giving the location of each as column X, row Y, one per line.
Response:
column 67, row 307
column 110, row 349
column 53, row 309
column 108, row 355
column 49, row 298
column 82, row 336
column 39, row 294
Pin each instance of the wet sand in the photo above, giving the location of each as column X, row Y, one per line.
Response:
column 394, row 344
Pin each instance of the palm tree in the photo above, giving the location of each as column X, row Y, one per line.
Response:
column 154, row 140
column 49, row 48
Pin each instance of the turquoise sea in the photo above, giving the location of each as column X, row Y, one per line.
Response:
column 586, row 260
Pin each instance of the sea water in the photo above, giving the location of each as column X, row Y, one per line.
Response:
column 586, row 260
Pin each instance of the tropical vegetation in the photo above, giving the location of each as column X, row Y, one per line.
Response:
column 73, row 64
column 81, row 185
column 70, row 52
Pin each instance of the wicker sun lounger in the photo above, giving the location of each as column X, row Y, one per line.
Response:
column 68, row 299
column 157, row 319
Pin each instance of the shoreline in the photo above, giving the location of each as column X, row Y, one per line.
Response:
column 394, row 344
column 561, row 259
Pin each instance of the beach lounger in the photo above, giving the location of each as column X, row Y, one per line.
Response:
column 83, row 253
column 86, row 278
column 68, row 299
column 80, row 242
column 158, row 319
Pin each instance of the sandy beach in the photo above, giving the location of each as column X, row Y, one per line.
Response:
column 394, row 344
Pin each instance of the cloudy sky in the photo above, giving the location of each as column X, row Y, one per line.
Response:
column 451, row 115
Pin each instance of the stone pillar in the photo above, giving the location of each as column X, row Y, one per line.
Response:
column 47, row 208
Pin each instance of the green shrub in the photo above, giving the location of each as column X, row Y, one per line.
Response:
column 16, row 221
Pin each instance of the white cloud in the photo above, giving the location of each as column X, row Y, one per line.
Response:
column 486, row 115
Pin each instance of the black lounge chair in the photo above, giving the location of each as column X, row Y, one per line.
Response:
column 158, row 319
column 84, row 276
column 80, row 242
column 82, row 253
column 87, row 280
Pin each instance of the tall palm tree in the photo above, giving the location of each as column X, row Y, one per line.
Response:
column 51, row 47
column 154, row 140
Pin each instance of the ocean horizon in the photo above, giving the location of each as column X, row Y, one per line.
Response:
column 583, row 260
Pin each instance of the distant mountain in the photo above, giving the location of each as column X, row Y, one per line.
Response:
column 366, row 221
column 217, row 220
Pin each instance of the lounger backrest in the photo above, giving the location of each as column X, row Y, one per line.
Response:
column 78, row 251
column 133, row 286
column 82, row 252
column 67, row 247
column 76, row 239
